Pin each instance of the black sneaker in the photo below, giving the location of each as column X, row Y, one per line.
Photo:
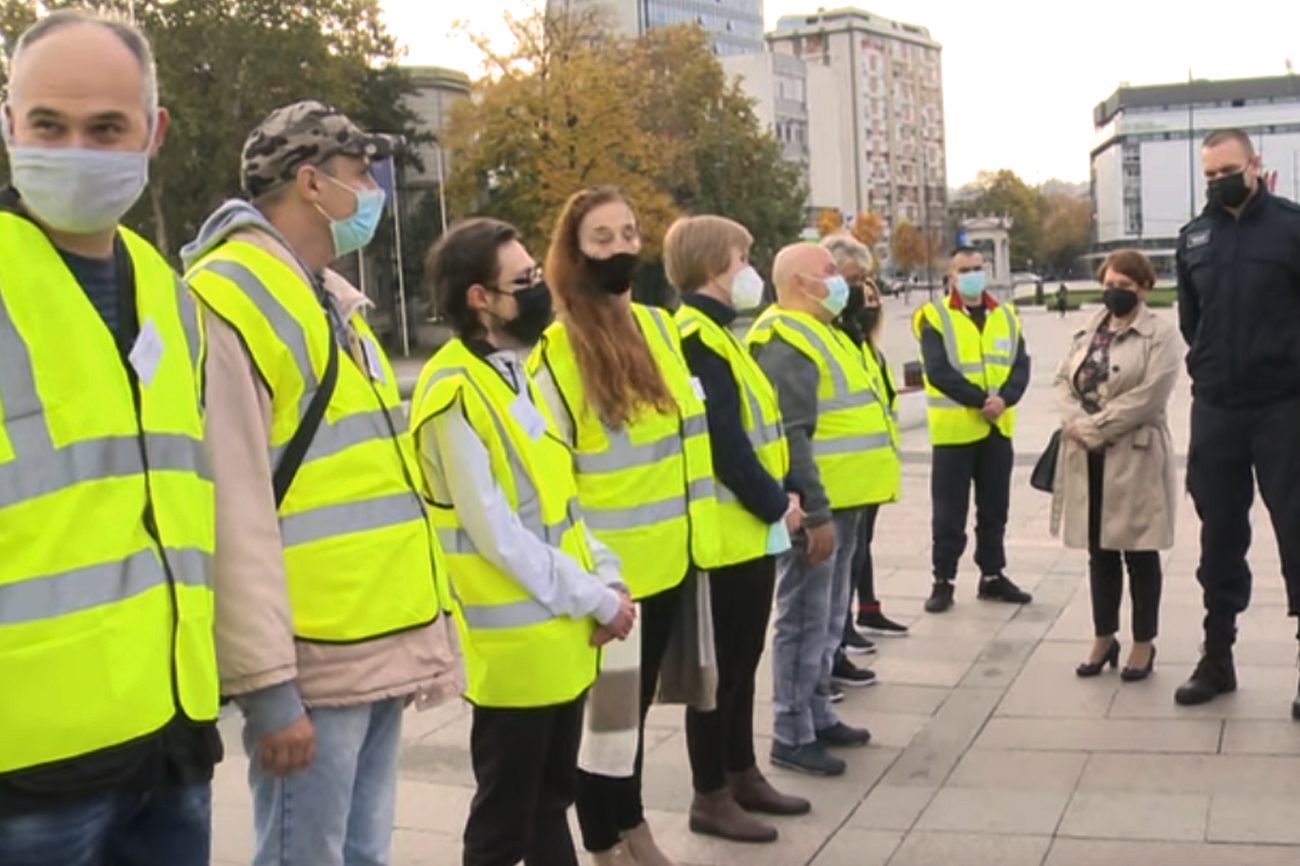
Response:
column 940, row 597
column 875, row 622
column 856, row 644
column 837, row 694
column 850, row 675
column 998, row 587
column 840, row 735
column 811, row 759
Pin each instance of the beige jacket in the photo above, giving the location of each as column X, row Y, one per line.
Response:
column 256, row 649
column 1140, row 489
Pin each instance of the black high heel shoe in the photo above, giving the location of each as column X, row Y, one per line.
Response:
column 1133, row 675
column 1092, row 669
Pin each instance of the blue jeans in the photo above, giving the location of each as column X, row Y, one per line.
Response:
column 811, row 604
column 338, row 811
column 164, row 826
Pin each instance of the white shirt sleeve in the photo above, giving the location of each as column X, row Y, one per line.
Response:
column 460, row 472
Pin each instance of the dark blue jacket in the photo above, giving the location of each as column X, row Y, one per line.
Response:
column 1239, row 302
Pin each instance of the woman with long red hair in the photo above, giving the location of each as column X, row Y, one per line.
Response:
column 621, row 393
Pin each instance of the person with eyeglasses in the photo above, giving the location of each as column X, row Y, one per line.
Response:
column 976, row 370
column 536, row 594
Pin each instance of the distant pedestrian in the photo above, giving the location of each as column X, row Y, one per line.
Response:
column 1062, row 300
column 1115, row 492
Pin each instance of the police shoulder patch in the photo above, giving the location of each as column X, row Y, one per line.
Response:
column 1197, row 239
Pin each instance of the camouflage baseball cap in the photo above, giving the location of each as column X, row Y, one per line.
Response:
column 305, row 133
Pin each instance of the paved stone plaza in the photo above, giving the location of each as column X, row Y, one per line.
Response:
column 986, row 749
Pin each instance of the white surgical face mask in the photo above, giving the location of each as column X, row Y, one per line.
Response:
column 746, row 289
column 78, row 190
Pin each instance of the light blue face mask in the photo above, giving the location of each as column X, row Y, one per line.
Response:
column 355, row 232
column 971, row 284
column 838, row 298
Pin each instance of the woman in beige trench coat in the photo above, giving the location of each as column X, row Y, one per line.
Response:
column 1115, row 492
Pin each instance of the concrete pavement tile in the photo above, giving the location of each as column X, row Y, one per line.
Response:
column 930, row 648
column 441, row 756
column 891, row 808
column 1242, row 737
column 421, row 848
column 853, row 847
column 432, row 808
column 232, row 832
column 1255, row 819
column 1059, row 694
column 1154, row 699
column 1091, row 852
column 995, row 810
column 920, row 672
column 903, row 698
column 835, row 798
column 937, row 748
column 800, row 841
column 969, row 849
column 1232, row 775
column 417, row 725
column 1027, row 771
column 1115, row 815
column 1101, row 735
column 894, row 730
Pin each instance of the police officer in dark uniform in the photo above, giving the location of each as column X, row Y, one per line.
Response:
column 1239, row 310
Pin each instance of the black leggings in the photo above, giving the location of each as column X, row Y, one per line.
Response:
column 1106, row 572
column 608, row 806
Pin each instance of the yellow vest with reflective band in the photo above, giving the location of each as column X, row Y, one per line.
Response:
column 106, row 511
column 850, row 429
column 517, row 653
column 647, row 490
column 985, row 358
column 743, row 536
column 360, row 555
column 885, row 477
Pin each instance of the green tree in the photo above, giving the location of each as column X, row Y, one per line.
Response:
column 1004, row 193
column 1067, row 231
column 908, row 247
column 223, row 65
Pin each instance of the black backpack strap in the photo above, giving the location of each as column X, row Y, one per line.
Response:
column 296, row 450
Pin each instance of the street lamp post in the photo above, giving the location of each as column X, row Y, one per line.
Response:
column 442, row 192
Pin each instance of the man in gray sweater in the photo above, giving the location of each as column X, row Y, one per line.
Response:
column 822, row 387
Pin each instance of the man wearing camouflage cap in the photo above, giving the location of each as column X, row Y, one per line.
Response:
column 316, row 504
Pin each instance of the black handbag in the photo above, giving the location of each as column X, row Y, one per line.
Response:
column 1044, row 475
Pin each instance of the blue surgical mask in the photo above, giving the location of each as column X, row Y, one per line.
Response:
column 355, row 232
column 971, row 284
column 76, row 190
column 838, row 298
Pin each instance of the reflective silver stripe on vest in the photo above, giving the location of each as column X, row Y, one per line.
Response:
column 36, row 474
column 39, row 468
column 950, row 338
column 55, row 595
column 349, row 517
column 515, row 614
column 939, row 401
column 695, row 425
column 335, row 437
column 286, row 327
column 638, row 515
column 622, row 454
column 848, row 401
column 189, row 322
column 851, row 445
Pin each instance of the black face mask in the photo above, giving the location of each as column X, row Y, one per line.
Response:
column 536, row 311
column 857, row 300
column 613, row 275
column 868, row 317
column 1120, row 302
column 1228, row 191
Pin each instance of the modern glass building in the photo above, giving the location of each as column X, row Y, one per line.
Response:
column 733, row 26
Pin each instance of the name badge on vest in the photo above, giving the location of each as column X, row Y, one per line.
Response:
column 523, row 411
column 373, row 361
column 698, row 387
column 147, row 352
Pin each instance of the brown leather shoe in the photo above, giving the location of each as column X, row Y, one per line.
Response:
column 716, row 814
column 754, row 793
column 641, row 844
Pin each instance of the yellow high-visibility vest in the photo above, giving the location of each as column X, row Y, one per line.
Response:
column 985, row 358
column 743, row 535
column 886, row 474
column 646, row 490
column 849, row 430
column 517, row 653
column 360, row 555
column 106, row 510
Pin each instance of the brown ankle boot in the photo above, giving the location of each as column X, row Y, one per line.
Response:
column 754, row 793
column 717, row 814
column 616, row 856
column 641, row 845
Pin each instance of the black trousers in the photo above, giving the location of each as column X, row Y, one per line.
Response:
column 988, row 465
column 525, row 763
column 608, row 806
column 864, row 573
column 1106, row 571
column 1230, row 450
column 722, row 741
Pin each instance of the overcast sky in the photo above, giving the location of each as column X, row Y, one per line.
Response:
column 1021, row 77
